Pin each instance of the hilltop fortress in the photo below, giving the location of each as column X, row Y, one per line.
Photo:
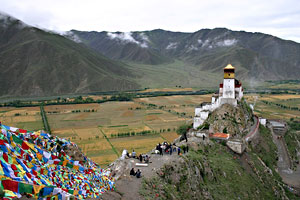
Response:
column 230, row 92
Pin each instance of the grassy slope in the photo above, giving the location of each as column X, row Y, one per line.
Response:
column 172, row 74
column 215, row 173
column 292, row 138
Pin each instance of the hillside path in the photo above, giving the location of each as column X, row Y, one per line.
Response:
column 290, row 177
column 253, row 130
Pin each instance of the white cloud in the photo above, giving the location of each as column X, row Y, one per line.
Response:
column 192, row 48
column 226, row 43
column 172, row 45
column 276, row 17
column 205, row 43
column 6, row 20
column 127, row 38
column 72, row 36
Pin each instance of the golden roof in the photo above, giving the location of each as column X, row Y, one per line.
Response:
column 229, row 66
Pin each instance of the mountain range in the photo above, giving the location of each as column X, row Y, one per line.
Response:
column 256, row 55
column 36, row 62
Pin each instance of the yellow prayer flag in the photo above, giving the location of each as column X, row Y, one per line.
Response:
column 76, row 167
column 37, row 188
column 65, row 163
column 39, row 156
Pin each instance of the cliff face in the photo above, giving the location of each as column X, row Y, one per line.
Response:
column 229, row 119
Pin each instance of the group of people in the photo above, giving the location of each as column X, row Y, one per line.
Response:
column 138, row 173
column 141, row 157
column 168, row 148
column 133, row 154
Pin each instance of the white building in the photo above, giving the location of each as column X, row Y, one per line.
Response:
column 230, row 92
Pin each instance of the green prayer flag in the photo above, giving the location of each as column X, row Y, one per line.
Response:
column 70, row 165
column 17, row 140
column 71, row 191
column 25, row 188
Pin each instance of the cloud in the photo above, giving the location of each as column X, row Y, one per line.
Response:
column 128, row 38
column 172, row 45
column 6, row 20
column 227, row 43
column 276, row 17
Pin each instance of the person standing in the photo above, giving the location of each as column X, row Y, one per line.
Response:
column 133, row 154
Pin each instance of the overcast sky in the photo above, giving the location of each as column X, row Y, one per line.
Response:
column 277, row 17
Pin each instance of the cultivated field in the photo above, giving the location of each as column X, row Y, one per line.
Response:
column 272, row 106
column 90, row 129
column 25, row 118
column 101, row 130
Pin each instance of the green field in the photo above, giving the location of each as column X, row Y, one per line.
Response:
column 90, row 129
column 26, row 118
column 269, row 105
column 139, row 124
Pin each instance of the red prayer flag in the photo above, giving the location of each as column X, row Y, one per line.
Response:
column 22, row 131
column 5, row 157
column 34, row 172
column 28, row 175
column 10, row 185
column 14, row 167
column 25, row 146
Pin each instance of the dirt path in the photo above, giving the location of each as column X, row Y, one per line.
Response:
column 290, row 177
column 253, row 130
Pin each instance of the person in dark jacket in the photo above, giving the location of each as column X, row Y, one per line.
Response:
column 132, row 172
column 138, row 174
column 141, row 158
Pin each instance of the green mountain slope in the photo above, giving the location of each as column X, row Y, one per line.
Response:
column 34, row 62
column 256, row 55
column 122, row 46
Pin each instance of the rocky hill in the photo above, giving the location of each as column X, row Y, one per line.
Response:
column 256, row 55
column 213, row 172
column 34, row 62
column 233, row 120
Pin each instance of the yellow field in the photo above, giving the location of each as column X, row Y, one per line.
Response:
column 141, row 144
column 87, row 129
column 25, row 118
column 95, row 132
column 272, row 111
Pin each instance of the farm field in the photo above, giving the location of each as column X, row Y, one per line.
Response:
column 272, row 111
column 103, row 130
column 89, row 129
column 24, row 118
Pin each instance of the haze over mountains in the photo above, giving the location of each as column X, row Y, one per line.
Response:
column 34, row 62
